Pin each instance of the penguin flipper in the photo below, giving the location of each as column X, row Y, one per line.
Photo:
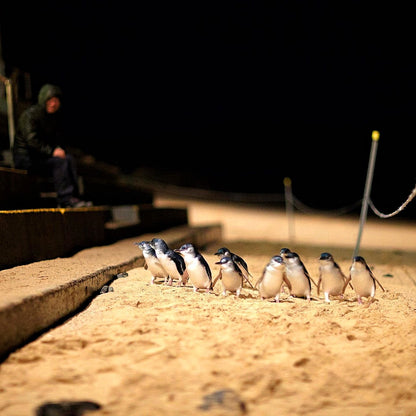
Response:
column 287, row 282
column 178, row 260
column 347, row 282
column 374, row 278
column 381, row 287
column 244, row 273
column 248, row 281
column 216, row 279
column 260, row 279
column 244, row 268
column 319, row 284
column 313, row 281
column 307, row 274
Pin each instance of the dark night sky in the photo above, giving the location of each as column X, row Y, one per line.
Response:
column 264, row 89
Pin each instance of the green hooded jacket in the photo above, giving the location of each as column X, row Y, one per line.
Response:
column 38, row 133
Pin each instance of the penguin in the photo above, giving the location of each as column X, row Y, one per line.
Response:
column 363, row 280
column 272, row 278
column 152, row 263
column 171, row 261
column 283, row 252
column 331, row 277
column 298, row 276
column 239, row 261
column 198, row 269
column 230, row 275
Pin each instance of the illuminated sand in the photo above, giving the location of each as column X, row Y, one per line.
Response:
column 153, row 350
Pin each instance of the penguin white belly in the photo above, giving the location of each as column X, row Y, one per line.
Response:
column 155, row 268
column 170, row 266
column 197, row 274
column 231, row 281
column 332, row 284
column 363, row 284
column 271, row 284
column 299, row 282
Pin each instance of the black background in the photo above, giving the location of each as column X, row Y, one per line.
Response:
column 233, row 95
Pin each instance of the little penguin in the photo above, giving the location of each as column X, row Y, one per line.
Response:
column 152, row 263
column 298, row 276
column 239, row 261
column 363, row 280
column 270, row 282
column 171, row 261
column 230, row 275
column 198, row 269
column 331, row 277
column 283, row 252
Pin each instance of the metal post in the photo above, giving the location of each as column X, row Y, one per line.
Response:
column 367, row 190
column 287, row 182
column 10, row 115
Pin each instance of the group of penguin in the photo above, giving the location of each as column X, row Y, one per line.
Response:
column 285, row 270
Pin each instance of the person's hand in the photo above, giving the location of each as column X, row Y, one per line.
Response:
column 58, row 152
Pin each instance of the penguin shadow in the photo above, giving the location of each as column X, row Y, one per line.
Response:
column 247, row 296
column 281, row 300
column 161, row 282
column 334, row 300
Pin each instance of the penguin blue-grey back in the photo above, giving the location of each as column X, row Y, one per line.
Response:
column 331, row 277
column 298, row 276
column 198, row 269
column 363, row 280
column 171, row 261
column 238, row 260
column 272, row 278
column 230, row 275
column 152, row 263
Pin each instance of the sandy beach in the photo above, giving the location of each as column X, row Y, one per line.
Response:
column 145, row 349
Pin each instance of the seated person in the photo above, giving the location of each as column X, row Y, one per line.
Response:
column 38, row 146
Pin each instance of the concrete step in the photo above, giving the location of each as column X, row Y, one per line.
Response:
column 38, row 234
column 38, row 295
column 130, row 220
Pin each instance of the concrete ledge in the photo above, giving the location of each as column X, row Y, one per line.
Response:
column 143, row 219
column 38, row 234
column 38, row 295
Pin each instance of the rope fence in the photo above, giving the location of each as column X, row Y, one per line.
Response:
column 300, row 206
column 401, row 208
column 292, row 202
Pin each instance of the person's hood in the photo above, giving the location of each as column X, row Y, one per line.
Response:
column 48, row 91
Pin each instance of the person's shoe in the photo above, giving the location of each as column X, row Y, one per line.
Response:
column 75, row 203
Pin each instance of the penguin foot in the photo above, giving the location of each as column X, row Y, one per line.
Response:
column 369, row 302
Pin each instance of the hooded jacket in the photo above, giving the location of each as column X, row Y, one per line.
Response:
column 38, row 133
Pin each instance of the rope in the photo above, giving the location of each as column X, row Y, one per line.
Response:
column 401, row 208
column 340, row 211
